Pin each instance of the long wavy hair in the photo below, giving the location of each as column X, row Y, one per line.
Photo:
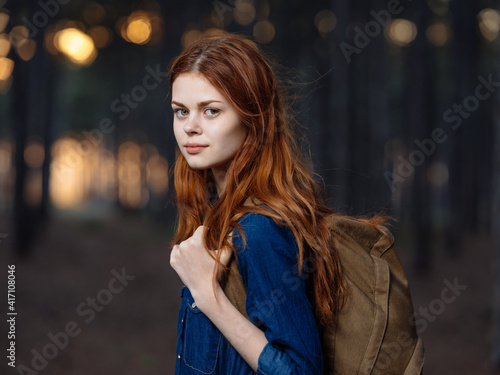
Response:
column 267, row 167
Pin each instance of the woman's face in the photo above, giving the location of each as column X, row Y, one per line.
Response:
column 206, row 127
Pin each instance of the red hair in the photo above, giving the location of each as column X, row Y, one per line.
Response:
column 268, row 166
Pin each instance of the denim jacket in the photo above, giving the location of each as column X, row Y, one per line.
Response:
column 276, row 302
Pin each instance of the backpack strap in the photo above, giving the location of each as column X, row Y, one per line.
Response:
column 232, row 282
column 234, row 287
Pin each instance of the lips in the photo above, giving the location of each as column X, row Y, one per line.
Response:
column 194, row 148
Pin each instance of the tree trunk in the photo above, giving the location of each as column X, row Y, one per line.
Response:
column 495, row 219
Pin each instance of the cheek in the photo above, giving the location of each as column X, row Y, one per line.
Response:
column 239, row 136
column 231, row 141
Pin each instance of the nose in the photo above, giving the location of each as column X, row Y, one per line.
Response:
column 192, row 125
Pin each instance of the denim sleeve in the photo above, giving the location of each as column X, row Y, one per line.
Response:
column 277, row 302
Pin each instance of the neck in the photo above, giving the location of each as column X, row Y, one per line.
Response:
column 219, row 175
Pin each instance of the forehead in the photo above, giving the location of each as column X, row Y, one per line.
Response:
column 193, row 87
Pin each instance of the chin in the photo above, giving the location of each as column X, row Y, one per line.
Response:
column 197, row 166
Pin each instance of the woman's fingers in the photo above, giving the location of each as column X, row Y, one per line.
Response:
column 225, row 256
column 192, row 262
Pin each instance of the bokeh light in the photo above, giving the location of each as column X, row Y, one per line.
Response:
column 244, row 12
column 26, row 49
column 325, row 21
column 489, row 24
column 190, row 36
column 4, row 45
column 66, row 185
column 157, row 174
column 34, row 154
column 4, row 20
column 156, row 28
column 438, row 34
column 438, row 174
column 18, row 34
column 101, row 36
column 213, row 31
column 130, row 177
column 76, row 45
column 6, row 67
column 138, row 28
column 263, row 32
column 401, row 32
column 5, row 156
column 94, row 13
column 49, row 40
column 139, row 31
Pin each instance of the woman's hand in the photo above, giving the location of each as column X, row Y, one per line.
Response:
column 194, row 265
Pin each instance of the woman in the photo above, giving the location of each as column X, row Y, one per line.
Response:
column 236, row 144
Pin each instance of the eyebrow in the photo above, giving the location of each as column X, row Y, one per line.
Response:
column 200, row 104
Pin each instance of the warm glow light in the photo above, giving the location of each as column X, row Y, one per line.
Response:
column 4, row 20
column 157, row 28
column 49, row 40
column 34, row 154
column 26, row 49
column 76, row 45
column 121, row 28
column 66, row 185
column 438, row 34
column 438, row 174
column 94, row 13
column 101, row 36
column 325, row 21
column 263, row 32
column 190, row 36
column 213, row 31
column 131, row 192
column 5, row 156
column 401, row 32
column 157, row 174
column 244, row 12
column 17, row 34
column 139, row 28
column 4, row 44
column 489, row 24
column 6, row 67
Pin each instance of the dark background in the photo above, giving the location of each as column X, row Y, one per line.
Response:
column 400, row 112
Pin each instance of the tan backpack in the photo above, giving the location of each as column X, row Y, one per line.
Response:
column 373, row 333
